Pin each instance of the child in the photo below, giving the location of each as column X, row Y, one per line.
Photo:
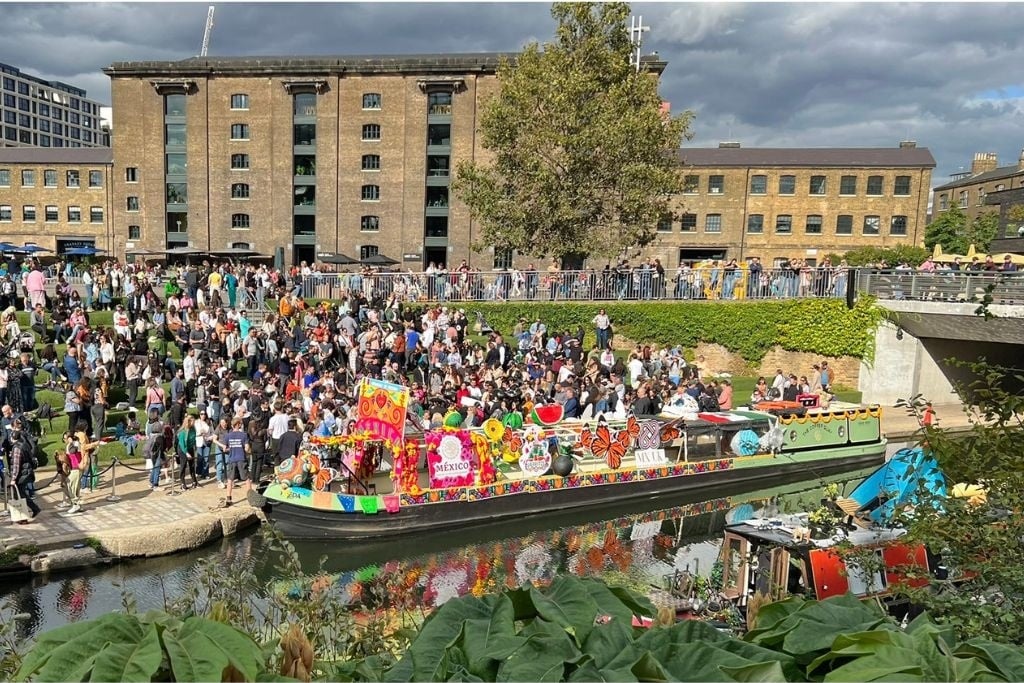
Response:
column 63, row 471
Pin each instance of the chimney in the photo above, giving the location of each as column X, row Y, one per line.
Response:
column 984, row 162
column 728, row 145
column 908, row 144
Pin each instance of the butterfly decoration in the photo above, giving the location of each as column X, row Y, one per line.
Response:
column 649, row 434
column 610, row 448
column 671, row 432
column 586, row 437
column 512, row 440
column 632, row 430
column 324, row 477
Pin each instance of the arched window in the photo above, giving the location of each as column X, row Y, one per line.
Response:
column 240, row 221
column 371, row 193
column 371, row 100
column 240, row 191
column 371, row 131
column 369, row 223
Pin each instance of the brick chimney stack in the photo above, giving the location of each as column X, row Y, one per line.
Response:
column 984, row 162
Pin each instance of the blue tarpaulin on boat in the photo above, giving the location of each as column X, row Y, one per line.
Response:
column 898, row 483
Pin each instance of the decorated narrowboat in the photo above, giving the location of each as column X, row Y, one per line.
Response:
column 381, row 481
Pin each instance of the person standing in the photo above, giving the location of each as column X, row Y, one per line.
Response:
column 237, row 449
column 288, row 444
column 132, row 374
column 86, row 467
column 186, row 451
column 35, row 285
column 155, row 448
column 23, row 471
column 602, row 327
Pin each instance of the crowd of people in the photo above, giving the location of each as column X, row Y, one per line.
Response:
column 224, row 388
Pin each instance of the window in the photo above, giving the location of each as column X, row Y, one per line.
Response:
column 438, row 166
column 758, row 184
column 28, row 214
column 58, row 129
column 848, row 185
column 24, row 120
column 131, row 174
column 177, row 222
column 963, row 199
column 371, row 162
column 688, row 222
column 44, row 125
column 74, row 119
column 981, row 196
column 239, row 190
column 898, row 226
column 713, row 222
column 11, row 118
column 239, row 101
column 174, row 134
column 691, row 184
column 175, row 164
column 51, row 214
column 436, row 226
column 5, row 213
column 96, row 214
column 901, row 187
column 368, row 250
column 304, row 134
column 439, row 103
column 437, row 197
column 74, row 214
column 177, row 193
column 132, row 204
column 134, row 232
column 716, row 184
column 305, row 104
column 371, row 100
column 50, row 179
column 874, row 185
column 371, row 131
column 844, row 225
column 371, row 193
column 1000, row 187
column 503, row 258
column 665, row 224
column 813, row 225
column 871, row 225
column 8, row 84
column 174, row 105
column 783, row 224
column 28, row 178
column 305, row 195
column 239, row 131
column 44, row 140
column 943, row 202
column 240, row 221
column 24, row 105
column 95, row 179
column 818, row 185
column 755, row 224
column 5, row 177
column 439, row 135
column 369, row 223
column 787, row 184
column 239, row 162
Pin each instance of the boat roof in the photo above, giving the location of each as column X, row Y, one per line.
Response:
column 784, row 530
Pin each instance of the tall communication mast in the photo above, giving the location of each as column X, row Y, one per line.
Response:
column 636, row 38
column 206, row 33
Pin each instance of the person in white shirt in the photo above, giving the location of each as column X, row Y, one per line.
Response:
column 276, row 428
column 636, row 369
column 779, row 383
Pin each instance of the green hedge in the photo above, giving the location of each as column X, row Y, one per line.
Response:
column 750, row 329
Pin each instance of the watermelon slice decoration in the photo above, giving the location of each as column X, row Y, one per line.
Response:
column 513, row 421
column 453, row 419
column 547, row 415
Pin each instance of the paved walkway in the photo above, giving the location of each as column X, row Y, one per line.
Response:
column 160, row 522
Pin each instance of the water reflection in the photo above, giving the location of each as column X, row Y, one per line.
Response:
column 639, row 551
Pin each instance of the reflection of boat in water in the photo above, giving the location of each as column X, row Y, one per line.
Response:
column 636, row 550
column 561, row 467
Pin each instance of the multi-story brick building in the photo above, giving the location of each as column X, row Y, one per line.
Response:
column 969, row 189
column 795, row 203
column 57, row 198
column 39, row 113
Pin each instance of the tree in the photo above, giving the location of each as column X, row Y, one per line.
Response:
column 1016, row 218
column 948, row 229
column 584, row 161
column 983, row 230
column 863, row 256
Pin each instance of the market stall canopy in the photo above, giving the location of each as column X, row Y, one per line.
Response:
column 84, row 251
column 141, row 251
column 378, row 260
column 31, row 248
column 7, row 246
column 184, row 251
column 336, row 259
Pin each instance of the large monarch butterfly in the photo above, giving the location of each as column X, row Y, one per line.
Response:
column 604, row 445
column 632, row 430
column 512, row 440
column 671, row 432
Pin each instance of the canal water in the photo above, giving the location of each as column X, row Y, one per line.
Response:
column 640, row 550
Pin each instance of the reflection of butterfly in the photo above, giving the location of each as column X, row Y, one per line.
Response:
column 649, row 434
column 671, row 432
column 603, row 445
column 513, row 441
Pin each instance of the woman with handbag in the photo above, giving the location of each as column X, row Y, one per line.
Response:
column 23, row 473
column 186, row 451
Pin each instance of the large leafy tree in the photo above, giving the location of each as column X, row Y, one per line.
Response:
column 983, row 230
column 582, row 156
column 948, row 229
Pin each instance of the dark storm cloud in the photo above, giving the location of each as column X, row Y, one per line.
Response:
column 946, row 75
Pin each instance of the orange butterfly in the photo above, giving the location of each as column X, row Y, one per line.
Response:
column 671, row 432
column 324, row 478
column 611, row 449
column 586, row 437
column 513, row 440
column 631, row 430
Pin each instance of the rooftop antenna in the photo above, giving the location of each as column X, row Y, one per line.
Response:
column 206, row 33
column 636, row 38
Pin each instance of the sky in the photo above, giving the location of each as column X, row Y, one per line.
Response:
column 948, row 75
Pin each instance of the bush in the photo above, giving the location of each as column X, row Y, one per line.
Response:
column 751, row 329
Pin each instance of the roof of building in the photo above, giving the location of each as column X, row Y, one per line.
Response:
column 995, row 174
column 56, row 155
column 298, row 65
column 811, row 157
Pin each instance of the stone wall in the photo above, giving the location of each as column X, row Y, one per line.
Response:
column 845, row 371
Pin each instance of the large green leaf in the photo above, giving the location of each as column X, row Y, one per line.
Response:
column 774, row 612
column 637, row 604
column 648, row 668
column 762, row 672
column 542, row 658
column 137, row 661
column 196, row 658
column 608, row 640
column 620, row 606
column 240, row 651
column 568, row 603
column 488, row 641
column 69, row 652
column 439, row 632
column 819, row 623
column 1006, row 659
column 587, row 672
column 852, row 645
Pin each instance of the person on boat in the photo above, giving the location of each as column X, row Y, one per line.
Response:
column 725, row 395
column 645, row 404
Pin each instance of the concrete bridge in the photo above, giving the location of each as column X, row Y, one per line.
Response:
column 937, row 317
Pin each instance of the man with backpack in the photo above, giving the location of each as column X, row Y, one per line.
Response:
column 23, row 467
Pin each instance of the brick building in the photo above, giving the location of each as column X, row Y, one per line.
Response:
column 969, row 189
column 57, row 198
column 795, row 203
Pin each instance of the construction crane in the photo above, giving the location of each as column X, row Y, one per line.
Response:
column 206, row 33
